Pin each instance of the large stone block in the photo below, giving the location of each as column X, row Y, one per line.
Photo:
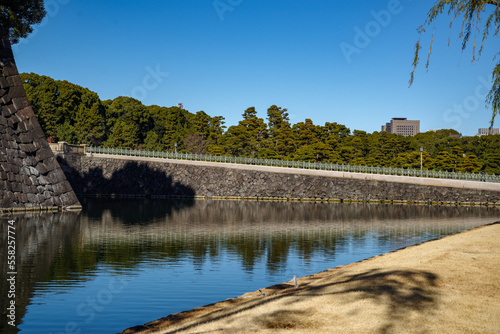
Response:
column 38, row 133
column 30, row 161
column 24, row 198
column 32, row 171
column 55, row 176
column 59, row 188
column 8, row 110
column 38, row 143
column 32, row 198
column 42, row 168
column 26, row 113
column 6, row 99
column 4, row 83
column 14, row 80
column 9, row 194
column 33, row 124
column 17, row 187
column 20, row 102
column 9, row 69
column 48, row 202
column 43, row 180
column 57, row 201
column 10, row 132
column 22, row 127
column 14, row 169
column 17, row 92
column 28, row 148
column 68, row 198
column 33, row 181
column 50, row 164
column 44, row 153
column 4, row 203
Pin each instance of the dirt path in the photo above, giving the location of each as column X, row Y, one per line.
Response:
column 450, row 285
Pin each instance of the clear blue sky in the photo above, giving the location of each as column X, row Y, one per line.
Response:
column 223, row 56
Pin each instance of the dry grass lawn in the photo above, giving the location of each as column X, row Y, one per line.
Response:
column 450, row 285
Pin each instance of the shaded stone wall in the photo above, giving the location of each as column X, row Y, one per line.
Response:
column 107, row 176
column 30, row 176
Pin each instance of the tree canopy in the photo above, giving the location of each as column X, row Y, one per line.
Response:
column 71, row 113
column 478, row 18
column 18, row 16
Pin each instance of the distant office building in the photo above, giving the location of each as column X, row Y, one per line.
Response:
column 402, row 126
column 488, row 131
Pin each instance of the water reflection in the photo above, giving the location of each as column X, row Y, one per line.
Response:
column 235, row 246
column 38, row 241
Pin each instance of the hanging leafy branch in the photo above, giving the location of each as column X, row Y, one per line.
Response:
column 469, row 12
column 18, row 16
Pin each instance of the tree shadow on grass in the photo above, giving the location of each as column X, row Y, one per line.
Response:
column 408, row 296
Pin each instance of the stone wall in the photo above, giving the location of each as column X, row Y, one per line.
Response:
column 30, row 176
column 109, row 176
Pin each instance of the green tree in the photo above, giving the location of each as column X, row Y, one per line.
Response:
column 196, row 144
column 458, row 156
column 67, row 133
column 237, row 141
column 280, row 131
column 346, row 152
column 444, row 161
column 60, row 105
column 306, row 133
column 124, row 134
column 470, row 164
column 129, row 110
column 152, row 142
column 317, row 152
column 202, row 124
column 216, row 128
column 333, row 134
column 491, row 164
column 18, row 16
column 412, row 160
column 471, row 13
column 42, row 93
column 256, row 131
column 177, row 127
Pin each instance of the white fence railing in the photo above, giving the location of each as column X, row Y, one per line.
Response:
column 298, row 164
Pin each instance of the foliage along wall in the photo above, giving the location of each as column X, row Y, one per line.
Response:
column 71, row 113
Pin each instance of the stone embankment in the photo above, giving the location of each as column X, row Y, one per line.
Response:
column 30, row 176
column 101, row 175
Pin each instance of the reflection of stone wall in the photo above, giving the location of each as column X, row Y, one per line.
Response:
column 39, row 238
column 106, row 176
column 30, row 176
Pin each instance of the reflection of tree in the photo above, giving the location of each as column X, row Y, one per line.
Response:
column 173, row 231
column 123, row 234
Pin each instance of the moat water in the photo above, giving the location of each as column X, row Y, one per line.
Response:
column 122, row 263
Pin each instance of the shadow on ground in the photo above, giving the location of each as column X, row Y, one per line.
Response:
column 405, row 296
